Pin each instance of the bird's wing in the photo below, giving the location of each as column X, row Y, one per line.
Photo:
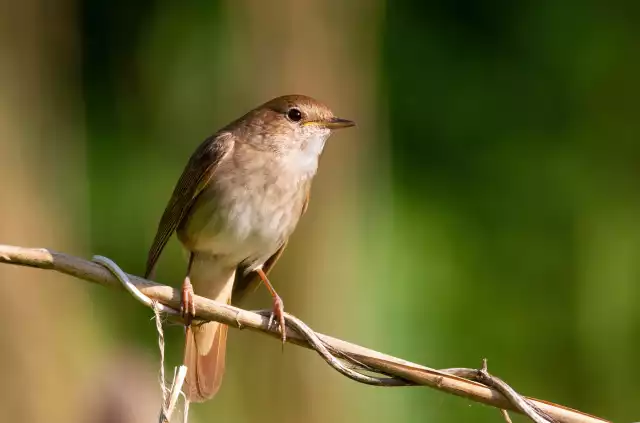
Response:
column 247, row 283
column 196, row 175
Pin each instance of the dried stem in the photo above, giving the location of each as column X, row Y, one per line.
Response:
column 449, row 381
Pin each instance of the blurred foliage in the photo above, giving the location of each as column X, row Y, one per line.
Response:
column 507, row 226
column 515, row 162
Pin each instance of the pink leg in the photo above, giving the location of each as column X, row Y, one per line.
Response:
column 278, row 305
column 187, row 308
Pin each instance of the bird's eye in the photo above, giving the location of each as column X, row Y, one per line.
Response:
column 294, row 115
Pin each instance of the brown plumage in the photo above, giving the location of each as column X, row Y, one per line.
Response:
column 234, row 207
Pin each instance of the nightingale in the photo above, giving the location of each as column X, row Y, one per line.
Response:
column 234, row 208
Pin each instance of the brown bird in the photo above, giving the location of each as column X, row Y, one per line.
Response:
column 236, row 204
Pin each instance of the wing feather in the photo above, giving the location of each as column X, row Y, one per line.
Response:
column 195, row 176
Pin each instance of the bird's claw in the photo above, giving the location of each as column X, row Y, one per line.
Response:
column 187, row 307
column 277, row 314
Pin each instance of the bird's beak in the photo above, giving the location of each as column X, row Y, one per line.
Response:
column 334, row 123
column 337, row 123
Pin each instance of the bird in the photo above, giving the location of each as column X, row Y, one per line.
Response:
column 236, row 204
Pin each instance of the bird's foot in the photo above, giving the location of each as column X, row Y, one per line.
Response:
column 277, row 314
column 187, row 307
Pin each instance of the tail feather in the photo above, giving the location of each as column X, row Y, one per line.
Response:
column 204, row 356
column 205, row 343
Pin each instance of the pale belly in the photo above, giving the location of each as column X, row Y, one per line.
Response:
column 244, row 224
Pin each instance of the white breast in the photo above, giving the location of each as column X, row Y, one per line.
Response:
column 249, row 215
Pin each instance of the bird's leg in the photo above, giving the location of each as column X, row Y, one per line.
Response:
column 278, row 305
column 187, row 307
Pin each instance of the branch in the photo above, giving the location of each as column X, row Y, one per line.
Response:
column 443, row 380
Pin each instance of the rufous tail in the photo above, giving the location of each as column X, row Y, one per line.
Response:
column 205, row 343
column 204, row 356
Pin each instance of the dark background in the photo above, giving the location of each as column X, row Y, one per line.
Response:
column 485, row 206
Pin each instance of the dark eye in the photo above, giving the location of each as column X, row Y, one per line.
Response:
column 294, row 114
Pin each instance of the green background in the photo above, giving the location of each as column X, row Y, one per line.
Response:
column 485, row 206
